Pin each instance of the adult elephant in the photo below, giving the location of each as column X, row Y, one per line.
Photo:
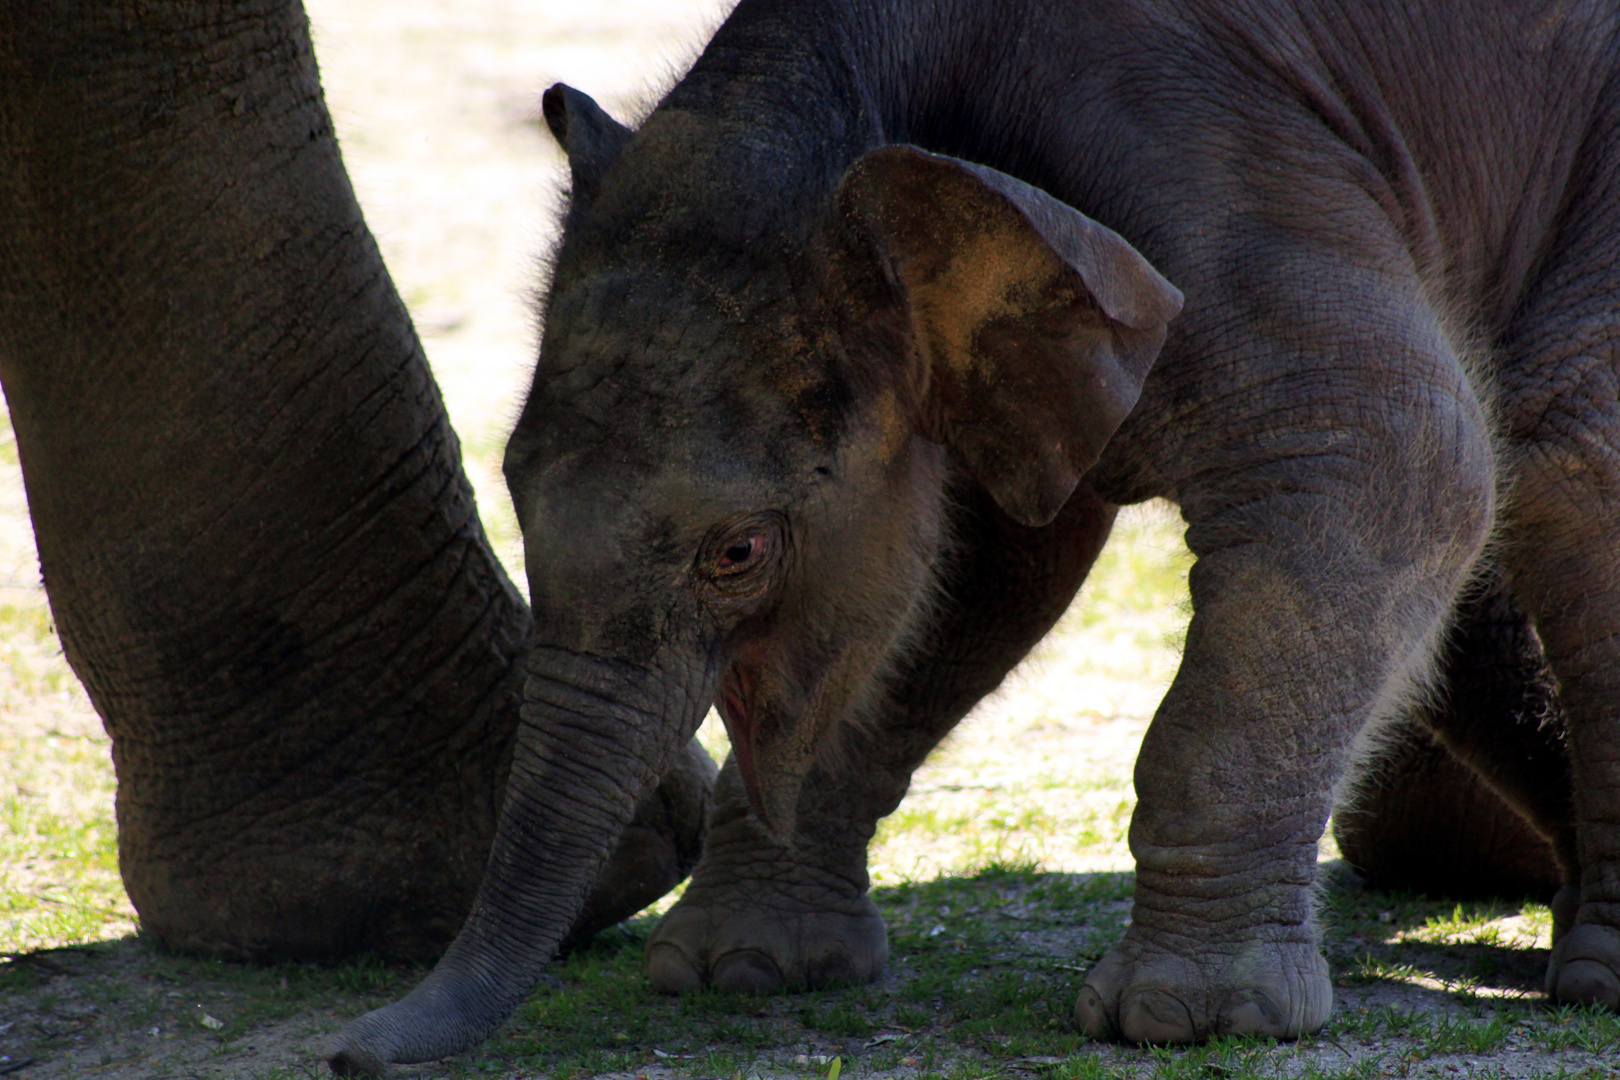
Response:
column 890, row 367
column 261, row 553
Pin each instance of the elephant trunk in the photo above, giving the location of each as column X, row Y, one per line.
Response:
column 594, row 738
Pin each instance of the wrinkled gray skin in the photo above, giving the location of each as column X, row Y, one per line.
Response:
column 262, row 555
column 825, row 426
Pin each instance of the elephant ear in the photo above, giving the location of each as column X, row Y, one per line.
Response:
column 589, row 136
column 1034, row 324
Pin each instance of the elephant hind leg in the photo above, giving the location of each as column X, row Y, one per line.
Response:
column 1419, row 820
column 1560, row 379
column 1470, row 796
column 1565, row 551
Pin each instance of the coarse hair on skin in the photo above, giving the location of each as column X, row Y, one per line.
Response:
column 1408, row 693
column 544, row 269
column 559, row 193
column 1415, row 688
column 672, row 69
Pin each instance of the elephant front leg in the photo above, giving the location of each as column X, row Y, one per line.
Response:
column 1320, row 588
column 758, row 915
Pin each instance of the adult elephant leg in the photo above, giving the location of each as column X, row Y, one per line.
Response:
column 758, row 915
column 1470, row 796
column 262, row 556
column 1325, row 569
column 1561, row 375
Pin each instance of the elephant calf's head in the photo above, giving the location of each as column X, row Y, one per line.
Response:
column 731, row 467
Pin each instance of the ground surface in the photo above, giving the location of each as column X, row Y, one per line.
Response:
column 1002, row 876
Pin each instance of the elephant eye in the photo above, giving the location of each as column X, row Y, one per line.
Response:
column 740, row 553
column 739, row 556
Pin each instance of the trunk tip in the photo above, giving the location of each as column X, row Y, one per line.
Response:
column 353, row 1061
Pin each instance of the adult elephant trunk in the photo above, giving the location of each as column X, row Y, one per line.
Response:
column 595, row 736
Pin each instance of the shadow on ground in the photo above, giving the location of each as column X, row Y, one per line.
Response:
column 985, row 969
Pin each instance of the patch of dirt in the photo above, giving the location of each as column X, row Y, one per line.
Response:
column 110, row 1010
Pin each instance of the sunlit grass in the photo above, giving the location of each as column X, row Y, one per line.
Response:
column 1009, row 785
column 1139, row 584
column 1506, row 925
column 59, row 879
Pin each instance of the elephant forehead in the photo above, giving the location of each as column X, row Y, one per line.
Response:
column 655, row 510
column 718, row 339
column 633, row 314
column 739, row 428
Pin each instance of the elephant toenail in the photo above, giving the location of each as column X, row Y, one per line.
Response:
column 747, row 971
column 1588, row 982
column 1250, row 1014
column 1155, row 1017
column 1091, row 1016
column 670, row 971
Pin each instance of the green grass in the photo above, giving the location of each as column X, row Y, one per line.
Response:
column 971, row 995
column 1097, row 677
column 972, row 986
column 59, row 879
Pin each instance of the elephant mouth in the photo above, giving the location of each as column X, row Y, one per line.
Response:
column 735, row 705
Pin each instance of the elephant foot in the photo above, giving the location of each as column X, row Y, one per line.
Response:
column 773, row 920
column 759, row 947
column 1585, row 967
column 1141, row 992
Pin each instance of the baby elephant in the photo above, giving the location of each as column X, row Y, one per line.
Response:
column 853, row 348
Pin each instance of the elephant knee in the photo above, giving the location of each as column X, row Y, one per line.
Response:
column 1453, row 488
